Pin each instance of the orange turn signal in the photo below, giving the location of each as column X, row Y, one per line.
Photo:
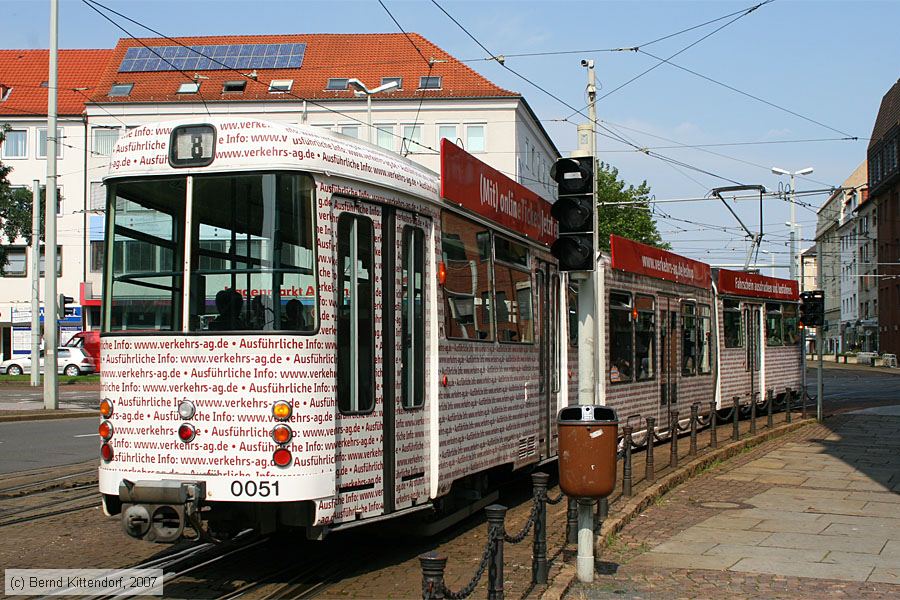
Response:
column 442, row 273
column 282, row 410
column 106, row 408
column 105, row 430
column 282, row 434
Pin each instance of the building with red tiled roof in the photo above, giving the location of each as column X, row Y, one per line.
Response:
column 884, row 193
column 23, row 107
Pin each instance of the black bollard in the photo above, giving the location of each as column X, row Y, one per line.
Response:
column 539, row 567
column 770, row 400
column 650, row 475
column 626, row 463
column 753, row 414
column 735, row 429
column 433, row 567
column 695, row 416
column 788, row 395
column 571, row 521
column 803, row 397
column 673, row 439
column 713, row 426
column 496, row 514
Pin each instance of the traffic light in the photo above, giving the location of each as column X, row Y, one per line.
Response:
column 63, row 308
column 812, row 308
column 574, row 209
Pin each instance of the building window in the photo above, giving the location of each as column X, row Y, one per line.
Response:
column 448, row 132
column 465, row 252
column 350, row 131
column 42, row 143
column 280, row 86
column 16, row 262
column 98, row 249
column 188, row 87
column 412, row 139
column 387, row 80
column 384, row 136
column 356, row 315
column 120, row 89
column 337, row 84
column 16, row 144
column 429, row 83
column 234, row 86
column 475, row 138
column 734, row 337
column 58, row 261
column 105, row 140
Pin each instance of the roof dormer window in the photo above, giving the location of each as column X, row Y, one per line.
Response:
column 280, row 86
column 4, row 92
column 189, row 87
column 387, row 80
column 234, row 86
column 120, row 89
column 337, row 84
column 429, row 83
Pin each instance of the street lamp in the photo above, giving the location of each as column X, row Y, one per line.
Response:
column 793, row 224
column 361, row 90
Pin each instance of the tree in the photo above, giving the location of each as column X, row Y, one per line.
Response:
column 633, row 221
column 15, row 209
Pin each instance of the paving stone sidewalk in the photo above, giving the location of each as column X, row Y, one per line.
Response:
column 815, row 513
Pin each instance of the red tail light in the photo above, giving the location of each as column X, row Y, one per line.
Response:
column 282, row 457
column 186, row 432
column 106, row 452
column 282, row 434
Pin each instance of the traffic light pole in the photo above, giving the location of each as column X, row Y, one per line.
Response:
column 820, row 333
column 51, row 389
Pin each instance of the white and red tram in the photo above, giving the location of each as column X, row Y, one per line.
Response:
column 300, row 329
column 303, row 330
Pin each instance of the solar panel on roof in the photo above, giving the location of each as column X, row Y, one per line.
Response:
column 212, row 58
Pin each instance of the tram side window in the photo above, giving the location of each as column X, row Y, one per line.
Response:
column 644, row 337
column 790, row 322
column 413, row 318
column 621, row 346
column 704, row 341
column 253, row 254
column 572, row 295
column 465, row 252
column 144, row 255
column 734, row 337
column 355, row 315
column 773, row 324
column 689, row 348
column 515, row 315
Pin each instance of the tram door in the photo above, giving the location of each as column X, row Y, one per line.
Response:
column 753, row 330
column 669, row 336
column 382, row 301
column 548, row 353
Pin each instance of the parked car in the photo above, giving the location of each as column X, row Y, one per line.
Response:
column 88, row 341
column 71, row 361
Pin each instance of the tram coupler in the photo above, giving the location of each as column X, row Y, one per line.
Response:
column 156, row 511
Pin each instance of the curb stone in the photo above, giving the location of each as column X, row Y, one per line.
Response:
column 561, row 583
column 45, row 416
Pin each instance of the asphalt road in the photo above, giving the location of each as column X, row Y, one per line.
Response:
column 37, row 444
column 850, row 389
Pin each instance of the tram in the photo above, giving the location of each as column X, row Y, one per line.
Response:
column 304, row 330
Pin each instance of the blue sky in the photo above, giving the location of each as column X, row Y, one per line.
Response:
column 829, row 61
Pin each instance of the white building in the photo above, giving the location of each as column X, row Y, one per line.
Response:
column 848, row 236
column 305, row 79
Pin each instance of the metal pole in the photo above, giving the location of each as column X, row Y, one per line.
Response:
column 369, row 113
column 35, row 283
column 496, row 514
column 819, row 341
column 650, row 469
column 599, row 358
column 433, row 566
column 51, row 389
column 585, row 560
column 793, row 239
column 539, row 565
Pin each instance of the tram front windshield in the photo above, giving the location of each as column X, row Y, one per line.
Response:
column 250, row 247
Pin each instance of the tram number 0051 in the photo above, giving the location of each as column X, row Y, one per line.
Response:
column 261, row 489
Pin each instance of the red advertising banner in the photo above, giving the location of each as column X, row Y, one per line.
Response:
column 635, row 257
column 467, row 181
column 757, row 286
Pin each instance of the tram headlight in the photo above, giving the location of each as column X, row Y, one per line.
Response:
column 282, row 457
column 282, row 434
column 186, row 432
column 282, row 410
column 105, row 430
column 186, row 409
column 106, row 408
column 106, row 452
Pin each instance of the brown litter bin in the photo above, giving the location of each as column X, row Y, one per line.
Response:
column 587, row 450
